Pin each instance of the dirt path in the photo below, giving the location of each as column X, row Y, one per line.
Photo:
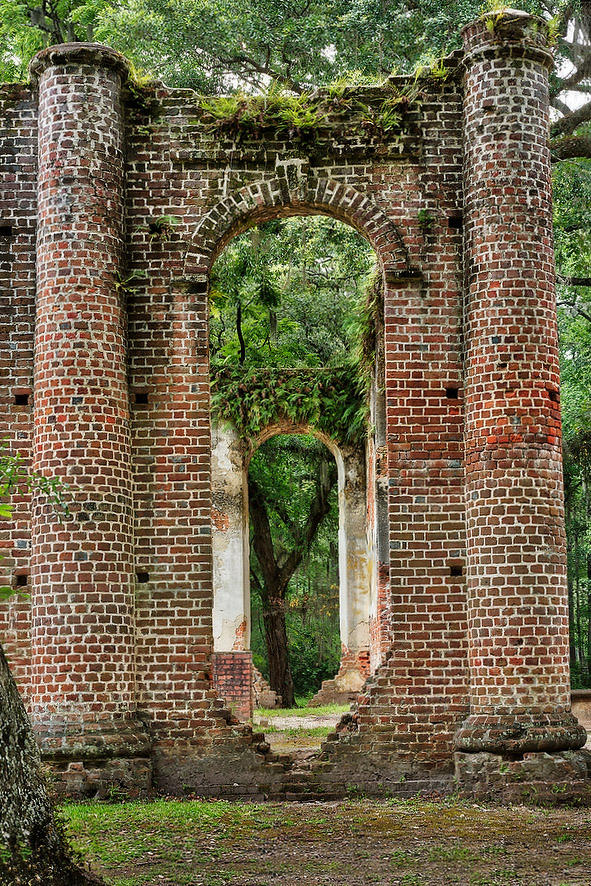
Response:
column 309, row 721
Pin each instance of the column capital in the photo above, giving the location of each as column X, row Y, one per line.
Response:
column 95, row 54
column 508, row 32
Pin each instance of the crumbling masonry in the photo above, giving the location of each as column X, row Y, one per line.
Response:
column 105, row 383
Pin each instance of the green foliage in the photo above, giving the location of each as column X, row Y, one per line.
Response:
column 285, row 298
column 162, row 227
column 275, row 109
column 311, row 661
column 26, row 26
column 299, row 283
column 16, row 476
column 282, row 111
column 425, row 220
column 218, row 46
column 329, row 400
column 314, row 651
column 302, row 709
column 572, row 226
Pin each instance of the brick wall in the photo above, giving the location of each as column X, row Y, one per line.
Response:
column 18, row 203
column 233, row 680
column 470, row 615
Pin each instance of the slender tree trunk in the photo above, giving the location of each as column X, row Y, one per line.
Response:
column 571, row 596
column 33, row 847
column 242, row 357
column 277, row 575
column 277, row 651
column 578, row 602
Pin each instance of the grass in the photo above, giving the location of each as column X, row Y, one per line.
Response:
column 214, row 843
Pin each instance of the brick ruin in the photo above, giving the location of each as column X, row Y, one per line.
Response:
column 106, row 384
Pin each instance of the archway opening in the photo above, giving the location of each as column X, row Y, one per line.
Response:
column 293, row 495
column 291, row 301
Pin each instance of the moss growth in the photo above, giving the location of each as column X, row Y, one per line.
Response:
column 439, row 842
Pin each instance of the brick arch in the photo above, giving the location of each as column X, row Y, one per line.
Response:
column 294, row 193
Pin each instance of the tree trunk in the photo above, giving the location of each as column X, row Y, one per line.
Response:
column 577, row 587
column 276, row 575
column 569, row 579
column 33, row 847
column 280, row 678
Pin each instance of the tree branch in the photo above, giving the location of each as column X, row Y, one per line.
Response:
column 573, row 305
column 567, row 125
column 583, row 71
column 318, row 510
column 570, row 147
column 574, row 281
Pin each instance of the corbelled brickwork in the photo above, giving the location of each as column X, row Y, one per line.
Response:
column 468, row 618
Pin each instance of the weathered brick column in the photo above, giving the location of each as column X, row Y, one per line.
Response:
column 516, row 555
column 83, row 682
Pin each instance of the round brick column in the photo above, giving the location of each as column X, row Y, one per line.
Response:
column 516, row 553
column 83, row 692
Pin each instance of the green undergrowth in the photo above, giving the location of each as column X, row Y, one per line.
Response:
column 330, row 400
column 208, row 843
column 301, row 115
column 298, row 732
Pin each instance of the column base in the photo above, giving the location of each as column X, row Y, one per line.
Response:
column 520, row 733
column 264, row 696
column 346, row 685
column 100, row 760
column 342, row 689
column 534, row 779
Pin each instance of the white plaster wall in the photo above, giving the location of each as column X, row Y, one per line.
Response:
column 354, row 556
column 231, row 598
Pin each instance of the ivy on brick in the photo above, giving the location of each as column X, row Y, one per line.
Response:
column 331, row 400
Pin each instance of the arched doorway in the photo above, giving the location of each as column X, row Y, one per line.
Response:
column 283, row 299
